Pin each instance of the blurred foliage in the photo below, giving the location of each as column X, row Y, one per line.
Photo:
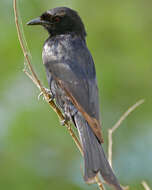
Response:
column 35, row 152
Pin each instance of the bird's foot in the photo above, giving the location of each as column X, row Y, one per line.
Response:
column 48, row 92
column 39, row 96
column 64, row 121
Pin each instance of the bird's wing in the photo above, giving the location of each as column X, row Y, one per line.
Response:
column 75, row 73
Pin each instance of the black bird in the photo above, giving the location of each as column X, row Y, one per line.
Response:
column 72, row 79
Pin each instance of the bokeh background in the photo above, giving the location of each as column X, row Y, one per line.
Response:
column 36, row 153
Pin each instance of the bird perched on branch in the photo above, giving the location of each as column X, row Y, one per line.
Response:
column 72, row 79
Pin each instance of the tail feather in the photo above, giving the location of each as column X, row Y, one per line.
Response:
column 94, row 157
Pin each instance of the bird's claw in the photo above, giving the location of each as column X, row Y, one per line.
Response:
column 39, row 96
column 51, row 98
column 64, row 121
column 48, row 92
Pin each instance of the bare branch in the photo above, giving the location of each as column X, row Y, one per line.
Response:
column 25, row 52
column 145, row 185
column 125, row 187
column 101, row 187
column 112, row 130
column 125, row 115
column 36, row 81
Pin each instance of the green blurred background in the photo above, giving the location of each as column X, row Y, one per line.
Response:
column 36, row 153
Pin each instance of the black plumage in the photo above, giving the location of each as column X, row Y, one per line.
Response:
column 72, row 79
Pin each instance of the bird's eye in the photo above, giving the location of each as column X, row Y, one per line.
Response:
column 46, row 16
column 57, row 19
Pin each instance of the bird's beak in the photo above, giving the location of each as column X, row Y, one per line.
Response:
column 37, row 21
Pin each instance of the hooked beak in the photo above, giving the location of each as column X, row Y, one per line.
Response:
column 38, row 21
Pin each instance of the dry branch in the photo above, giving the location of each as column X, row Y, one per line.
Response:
column 145, row 185
column 112, row 130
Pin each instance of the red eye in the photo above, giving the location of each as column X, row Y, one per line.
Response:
column 57, row 19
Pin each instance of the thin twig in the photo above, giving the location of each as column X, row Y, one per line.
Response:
column 101, row 187
column 110, row 131
column 145, row 185
column 125, row 187
column 25, row 52
column 33, row 76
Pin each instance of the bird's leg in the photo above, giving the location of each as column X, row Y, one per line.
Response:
column 65, row 120
column 48, row 92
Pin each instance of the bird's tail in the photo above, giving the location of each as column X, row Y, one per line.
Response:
column 94, row 157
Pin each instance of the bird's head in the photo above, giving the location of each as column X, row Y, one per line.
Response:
column 60, row 20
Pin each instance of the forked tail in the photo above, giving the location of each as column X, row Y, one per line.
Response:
column 94, row 157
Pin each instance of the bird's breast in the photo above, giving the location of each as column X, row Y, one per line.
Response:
column 63, row 48
column 53, row 52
